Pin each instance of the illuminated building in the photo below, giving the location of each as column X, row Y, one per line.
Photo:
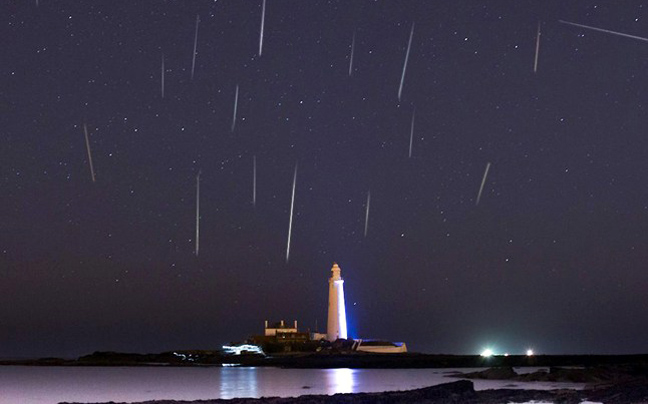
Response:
column 376, row 346
column 336, row 327
column 242, row 349
column 279, row 328
column 281, row 337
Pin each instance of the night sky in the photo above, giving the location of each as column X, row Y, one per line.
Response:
column 554, row 257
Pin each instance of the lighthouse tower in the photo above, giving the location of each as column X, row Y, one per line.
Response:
column 336, row 325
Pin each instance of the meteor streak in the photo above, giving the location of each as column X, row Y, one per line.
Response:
column 537, row 50
column 352, row 51
column 162, row 76
column 481, row 188
column 409, row 46
column 85, row 131
column 195, row 48
column 604, row 30
column 367, row 213
column 292, row 205
column 197, row 213
column 262, row 23
column 254, row 180
column 235, row 107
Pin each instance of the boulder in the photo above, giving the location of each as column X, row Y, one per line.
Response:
column 501, row 373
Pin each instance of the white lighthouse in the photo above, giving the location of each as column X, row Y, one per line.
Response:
column 336, row 325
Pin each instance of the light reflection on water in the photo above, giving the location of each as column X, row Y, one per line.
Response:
column 51, row 385
column 265, row 382
column 341, row 380
column 238, row 382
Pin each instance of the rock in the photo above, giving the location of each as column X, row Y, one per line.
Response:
column 537, row 376
column 521, row 396
column 502, row 373
column 633, row 389
column 459, row 391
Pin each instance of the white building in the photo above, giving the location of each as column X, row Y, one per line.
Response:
column 375, row 346
column 336, row 325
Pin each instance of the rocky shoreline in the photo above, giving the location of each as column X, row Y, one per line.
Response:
column 593, row 376
column 461, row 391
column 332, row 359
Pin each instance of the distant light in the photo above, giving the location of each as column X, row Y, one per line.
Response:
column 487, row 352
column 245, row 348
column 506, row 354
column 529, row 352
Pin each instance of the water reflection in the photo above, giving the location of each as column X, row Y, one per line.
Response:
column 340, row 380
column 238, row 382
column 51, row 385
